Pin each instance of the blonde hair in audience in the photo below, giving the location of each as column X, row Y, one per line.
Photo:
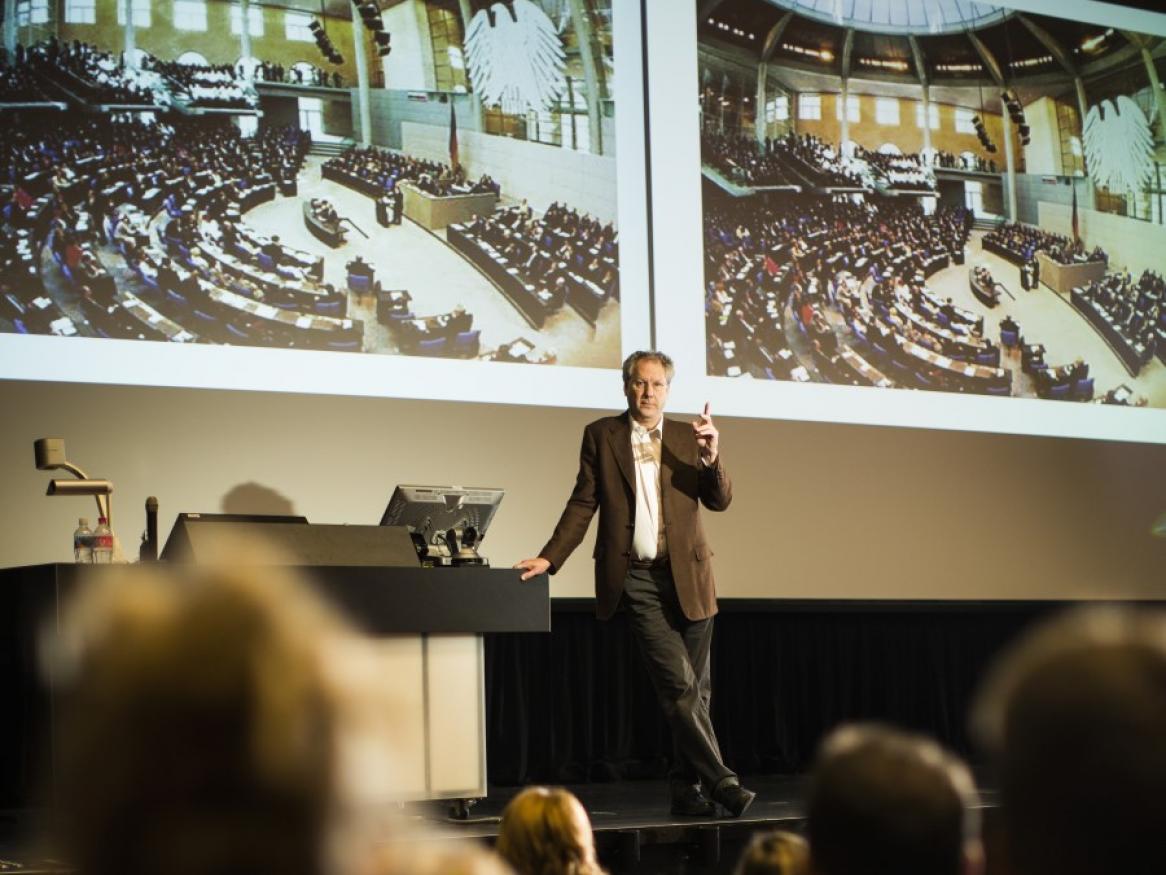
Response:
column 204, row 723
column 775, row 853
column 437, row 858
column 546, row 831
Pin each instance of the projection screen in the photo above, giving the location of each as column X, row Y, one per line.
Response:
column 789, row 332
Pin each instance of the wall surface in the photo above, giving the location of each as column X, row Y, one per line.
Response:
column 409, row 65
column 1043, row 153
column 820, row 511
column 907, row 135
column 338, row 114
column 279, row 111
column 390, row 108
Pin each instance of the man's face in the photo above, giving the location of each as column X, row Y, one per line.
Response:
column 646, row 391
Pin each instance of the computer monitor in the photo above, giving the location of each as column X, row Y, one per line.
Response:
column 431, row 511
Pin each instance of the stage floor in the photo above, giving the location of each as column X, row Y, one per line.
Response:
column 644, row 805
column 634, row 830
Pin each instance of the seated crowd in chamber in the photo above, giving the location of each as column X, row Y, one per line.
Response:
column 209, row 85
column 554, row 250
column 92, row 178
column 1137, row 309
column 101, row 77
column 18, row 84
column 798, row 160
column 106, row 78
column 383, row 169
column 841, row 270
column 743, row 160
column 79, row 186
column 1022, row 242
column 454, row 182
column 821, row 163
column 905, row 172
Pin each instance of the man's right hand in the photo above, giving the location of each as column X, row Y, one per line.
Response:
column 533, row 567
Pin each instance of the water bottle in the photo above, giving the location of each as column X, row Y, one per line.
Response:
column 83, row 542
column 103, row 542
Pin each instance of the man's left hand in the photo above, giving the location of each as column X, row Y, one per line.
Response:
column 706, row 435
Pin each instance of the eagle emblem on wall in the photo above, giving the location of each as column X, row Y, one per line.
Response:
column 1119, row 146
column 516, row 57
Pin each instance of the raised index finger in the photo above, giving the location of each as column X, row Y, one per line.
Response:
column 708, row 410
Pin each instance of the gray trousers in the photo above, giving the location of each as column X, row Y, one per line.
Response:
column 676, row 653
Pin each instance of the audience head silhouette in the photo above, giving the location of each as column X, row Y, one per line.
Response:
column 204, row 725
column 886, row 802
column 1075, row 720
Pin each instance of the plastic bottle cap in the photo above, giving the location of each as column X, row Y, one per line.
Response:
column 83, row 523
column 101, row 521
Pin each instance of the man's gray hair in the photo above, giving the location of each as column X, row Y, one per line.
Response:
column 647, row 355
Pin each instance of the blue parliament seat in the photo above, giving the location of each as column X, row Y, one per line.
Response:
column 434, row 347
column 467, row 343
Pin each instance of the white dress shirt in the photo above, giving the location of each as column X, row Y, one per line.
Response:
column 648, row 541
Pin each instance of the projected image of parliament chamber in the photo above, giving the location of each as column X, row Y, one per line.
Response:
column 338, row 178
column 951, row 197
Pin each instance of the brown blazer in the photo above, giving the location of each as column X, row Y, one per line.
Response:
column 607, row 483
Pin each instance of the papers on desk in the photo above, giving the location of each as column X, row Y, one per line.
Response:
column 63, row 327
column 267, row 311
column 41, row 303
column 800, row 374
column 304, row 322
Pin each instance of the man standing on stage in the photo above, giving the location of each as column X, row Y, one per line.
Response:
column 648, row 476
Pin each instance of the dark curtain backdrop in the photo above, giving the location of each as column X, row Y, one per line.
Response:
column 576, row 705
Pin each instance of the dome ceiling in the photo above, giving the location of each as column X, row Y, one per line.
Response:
column 900, row 16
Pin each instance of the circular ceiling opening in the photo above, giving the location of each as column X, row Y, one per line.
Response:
column 900, row 16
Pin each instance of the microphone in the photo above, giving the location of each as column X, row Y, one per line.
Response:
column 150, row 547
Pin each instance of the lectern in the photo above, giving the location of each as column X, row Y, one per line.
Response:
column 429, row 623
